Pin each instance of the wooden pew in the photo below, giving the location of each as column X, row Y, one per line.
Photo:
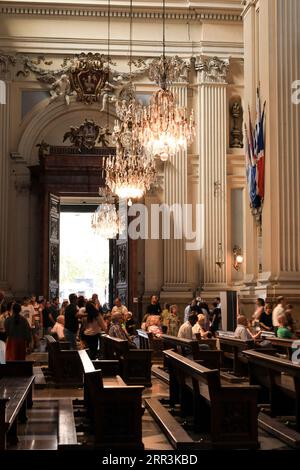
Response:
column 190, row 348
column 149, row 341
column 227, row 413
column 279, row 380
column 232, row 354
column 282, row 346
column 63, row 363
column 135, row 364
column 114, row 408
column 16, row 384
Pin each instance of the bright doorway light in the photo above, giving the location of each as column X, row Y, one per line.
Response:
column 84, row 258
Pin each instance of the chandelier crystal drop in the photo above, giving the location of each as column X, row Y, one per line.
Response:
column 105, row 221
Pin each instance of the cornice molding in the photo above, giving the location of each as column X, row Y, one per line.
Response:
column 94, row 12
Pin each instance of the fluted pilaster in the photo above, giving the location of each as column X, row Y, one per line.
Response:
column 175, row 192
column 212, row 128
column 4, row 187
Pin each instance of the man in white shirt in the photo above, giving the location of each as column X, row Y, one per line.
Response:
column 186, row 329
column 28, row 311
column 277, row 312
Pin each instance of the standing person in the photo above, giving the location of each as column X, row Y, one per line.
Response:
column 260, row 304
column 18, row 335
column 188, row 310
column 173, row 322
column 119, row 307
column 28, row 311
column 154, row 307
column 71, row 321
column 91, row 328
column 96, row 302
column 164, row 316
column 186, row 330
column 216, row 318
column 48, row 323
column 278, row 310
column 54, row 309
column 37, row 321
column 59, row 328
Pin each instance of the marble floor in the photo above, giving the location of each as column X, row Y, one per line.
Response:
column 40, row 431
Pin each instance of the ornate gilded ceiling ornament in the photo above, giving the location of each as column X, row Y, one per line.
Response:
column 88, row 76
column 87, row 135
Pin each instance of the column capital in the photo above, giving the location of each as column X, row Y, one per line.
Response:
column 211, row 69
column 248, row 4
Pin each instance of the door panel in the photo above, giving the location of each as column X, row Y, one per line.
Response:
column 54, row 211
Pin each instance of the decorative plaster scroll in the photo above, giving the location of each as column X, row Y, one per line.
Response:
column 174, row 68
column 5, row 61
column 212, row 69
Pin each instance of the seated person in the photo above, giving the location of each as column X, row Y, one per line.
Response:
column 283, row 331
column 291, row 324
column 153, row 325
column 144, row 322
column 117, row 331
column 59, row 327
column 129, row 323
column 242, row 330
column 265, row 320
column 186, row 329
column 200, row 327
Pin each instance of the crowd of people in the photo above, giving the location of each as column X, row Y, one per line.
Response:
column 81, row 321
column 198, row 319
column 265, row 319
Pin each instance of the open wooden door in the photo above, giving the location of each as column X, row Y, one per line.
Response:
column 54, row 213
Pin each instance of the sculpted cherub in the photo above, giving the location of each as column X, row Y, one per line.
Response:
column 61, row 88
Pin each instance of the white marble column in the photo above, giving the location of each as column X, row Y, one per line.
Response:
column 4, row 188
column 212, row 135
column 175, row 192
column 281, row 212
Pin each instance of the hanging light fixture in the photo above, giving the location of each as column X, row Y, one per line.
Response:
column 129, row 174
column 165, row 127
column 105, row 221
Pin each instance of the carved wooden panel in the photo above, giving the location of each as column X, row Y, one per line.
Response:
column 53, row 246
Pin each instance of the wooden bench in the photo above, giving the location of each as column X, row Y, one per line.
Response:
column 190, row 348
column 232, row 354
column 282, row 346
column 63, row 363
column 67, row 436
column 228, row 413
column 279, row 380
column 148, row 341
column 135, row 364
column 16, row 384
column 114, row 408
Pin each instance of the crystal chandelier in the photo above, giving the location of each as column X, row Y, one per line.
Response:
column 105, row 221
column 129, row 174
column 165, row 127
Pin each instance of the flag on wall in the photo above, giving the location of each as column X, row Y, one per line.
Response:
column 255, row 155
column 260, row 176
